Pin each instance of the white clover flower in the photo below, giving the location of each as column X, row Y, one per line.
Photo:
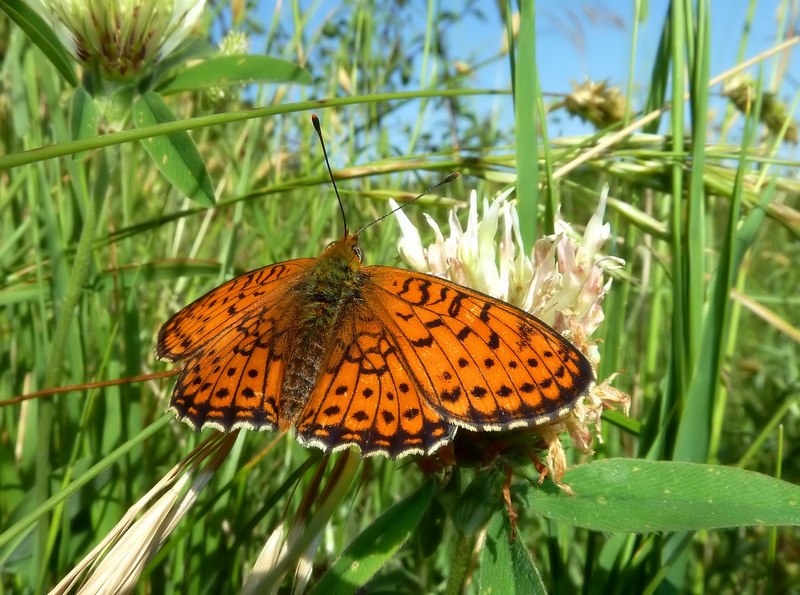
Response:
column 122, row 38
column 563, row 285
column 466, row 257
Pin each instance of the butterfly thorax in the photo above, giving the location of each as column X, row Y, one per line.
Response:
column 322, row 298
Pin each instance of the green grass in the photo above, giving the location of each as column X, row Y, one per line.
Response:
column 98, row 249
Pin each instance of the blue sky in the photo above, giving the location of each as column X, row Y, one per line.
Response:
column 588, row 39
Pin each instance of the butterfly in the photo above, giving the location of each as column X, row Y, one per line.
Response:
column 383, row 358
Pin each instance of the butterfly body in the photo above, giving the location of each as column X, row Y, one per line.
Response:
column 321, row 298
column 383, row 358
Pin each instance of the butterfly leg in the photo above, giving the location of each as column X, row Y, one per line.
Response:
column 512, row 514
column 540, row 467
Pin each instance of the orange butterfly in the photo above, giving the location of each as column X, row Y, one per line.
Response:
column 379, row 357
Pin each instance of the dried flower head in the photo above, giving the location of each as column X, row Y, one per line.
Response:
column 596, row 103
column 741, row 90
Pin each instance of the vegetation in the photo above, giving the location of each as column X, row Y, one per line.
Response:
column 127, row 190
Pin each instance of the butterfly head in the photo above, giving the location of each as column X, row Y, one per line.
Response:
column 346, row 249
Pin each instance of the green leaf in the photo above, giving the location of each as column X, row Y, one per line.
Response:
column 375, row 545
column 638, row 496
column 82, row 117
column 191, row 48
column 175, row 154
column 431, row 529
column 43, row 36
column 527, row 122
column 505, row 565
column 227, row 70
column 479, row 501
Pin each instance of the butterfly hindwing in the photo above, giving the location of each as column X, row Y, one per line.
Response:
column 233, row 343
column 365, row 396
column 489, row 365
column 235, row 380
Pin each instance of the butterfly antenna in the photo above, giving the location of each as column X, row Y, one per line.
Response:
column 315, row 122
column 442, row 182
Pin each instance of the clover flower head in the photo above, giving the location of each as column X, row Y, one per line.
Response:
column 122, row 38
column 562, row 283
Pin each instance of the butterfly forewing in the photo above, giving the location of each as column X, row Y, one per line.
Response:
column 487, row 364
column 216, row 311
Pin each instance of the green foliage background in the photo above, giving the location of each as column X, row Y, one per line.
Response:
column 98, row 246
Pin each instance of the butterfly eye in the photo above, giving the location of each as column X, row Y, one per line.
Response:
column 359, row 254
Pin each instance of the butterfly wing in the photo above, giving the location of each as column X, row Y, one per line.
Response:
column 233, row 341
column 208, row 316
column 409, row 360
column 365, row 395
column 481, row 363
column 417, row 356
